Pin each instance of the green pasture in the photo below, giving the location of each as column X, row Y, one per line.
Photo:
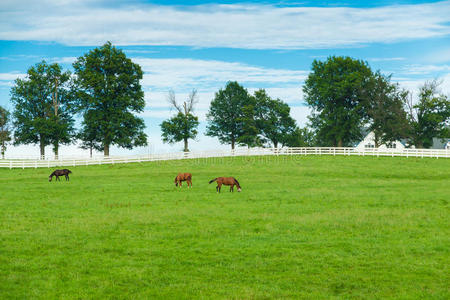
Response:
column 315, row 227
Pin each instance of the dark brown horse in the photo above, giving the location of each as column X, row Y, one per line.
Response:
column 183, row 177
column 58, row 173
column 231, row 181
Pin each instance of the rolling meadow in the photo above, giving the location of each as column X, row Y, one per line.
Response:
column 303, row 227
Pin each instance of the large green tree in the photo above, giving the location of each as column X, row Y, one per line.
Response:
column 5, row 132
column 225, row 113
column 273, row 118
column 108, row 83
column 250, row 133
column 385, row 110
column 182, row 126
column 429, row 117
column 42, row 107
column 336, row 90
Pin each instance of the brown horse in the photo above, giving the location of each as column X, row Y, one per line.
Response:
column 58, row 173
column 231, row 181
column 183, row 177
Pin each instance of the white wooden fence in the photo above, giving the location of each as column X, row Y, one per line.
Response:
column 74, row 161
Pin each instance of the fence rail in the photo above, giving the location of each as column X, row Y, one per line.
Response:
column 74, row 161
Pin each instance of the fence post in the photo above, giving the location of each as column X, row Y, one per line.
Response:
column 10, row 164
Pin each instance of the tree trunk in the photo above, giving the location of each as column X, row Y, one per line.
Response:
column 3, row 149
column 186, row 145
column 339, row 143
column 56, row 149
column 376, row 141
column 232, row 143
column 106, row 150
column 90, row 151
column 42, row 147
column 275, row 144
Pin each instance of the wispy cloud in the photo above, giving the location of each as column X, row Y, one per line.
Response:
column 425, row 69
column 208, row 75
column 7, row 79
column 237, row 26
column 376, row 59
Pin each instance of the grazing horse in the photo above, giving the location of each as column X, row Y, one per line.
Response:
column 183, row 177
column 58, row 173
column 226, row 181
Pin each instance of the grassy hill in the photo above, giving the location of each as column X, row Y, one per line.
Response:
column 303, row 227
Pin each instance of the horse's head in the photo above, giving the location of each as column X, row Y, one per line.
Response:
column 50, row 178
column 239, row 189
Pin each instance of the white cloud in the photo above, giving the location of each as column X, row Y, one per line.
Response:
column 236, row 26
column 11, row 76
column 7, row 79
column 186, row 74
column 183, row 75
column 376, row 59
column 424, row 69
column 413, row 85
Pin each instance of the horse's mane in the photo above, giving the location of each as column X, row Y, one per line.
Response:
column 237, row 182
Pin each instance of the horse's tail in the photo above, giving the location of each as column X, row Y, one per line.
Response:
column 211, row 181
column 237, row 182
column 176, row 179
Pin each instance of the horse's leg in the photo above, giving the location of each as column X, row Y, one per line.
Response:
column 220, row 187
column 57, row 178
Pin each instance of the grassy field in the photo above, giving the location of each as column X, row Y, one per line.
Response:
column 303, row 227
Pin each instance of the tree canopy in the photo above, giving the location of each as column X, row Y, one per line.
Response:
column 337, row 91
column 5, row 131
column 429, row 117
column 226, row 113
column 273, row 119
column 385, row 110
column 42, row 107
column 182, row 126
column 108, row 92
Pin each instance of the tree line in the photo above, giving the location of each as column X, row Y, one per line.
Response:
column 348, row 99
column 104, row 90
column 236, row 117
column 345, row 96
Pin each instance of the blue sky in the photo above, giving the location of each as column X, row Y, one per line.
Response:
column 183, row 45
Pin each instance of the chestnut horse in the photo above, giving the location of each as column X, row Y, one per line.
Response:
column 226, row 181
column 183, row 177
column 58, row 173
